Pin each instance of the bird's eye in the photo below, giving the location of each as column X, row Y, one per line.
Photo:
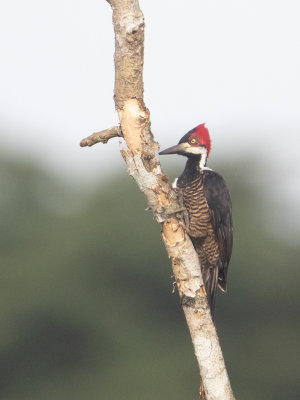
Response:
column 193, row 141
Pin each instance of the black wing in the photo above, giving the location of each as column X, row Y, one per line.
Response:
column 219, row 203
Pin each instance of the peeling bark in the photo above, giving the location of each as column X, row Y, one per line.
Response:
column 144, row 166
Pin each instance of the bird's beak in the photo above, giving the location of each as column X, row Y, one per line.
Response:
column 178, row 149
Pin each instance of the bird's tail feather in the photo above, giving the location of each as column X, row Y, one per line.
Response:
column 210, row 279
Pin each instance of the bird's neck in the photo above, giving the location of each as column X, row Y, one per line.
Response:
column 192, row 168
column 194, row 164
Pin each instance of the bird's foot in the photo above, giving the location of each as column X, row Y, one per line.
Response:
column 166, row 212
column 185, row 215
column 178, row 211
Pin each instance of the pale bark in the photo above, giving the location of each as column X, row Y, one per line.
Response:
column 102, row 137
column 143, row 165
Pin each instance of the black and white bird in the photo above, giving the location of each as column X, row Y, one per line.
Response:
column 208, row 204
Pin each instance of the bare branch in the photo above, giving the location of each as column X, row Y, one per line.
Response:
column 102, row 137
column 143, row 165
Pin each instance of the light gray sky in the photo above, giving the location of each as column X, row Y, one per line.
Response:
column 233, row 64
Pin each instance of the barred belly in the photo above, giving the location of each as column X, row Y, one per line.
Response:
column 195, row 203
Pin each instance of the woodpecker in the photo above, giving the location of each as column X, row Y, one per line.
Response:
column 207, row 201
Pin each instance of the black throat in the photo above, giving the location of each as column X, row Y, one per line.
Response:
column 192, row 170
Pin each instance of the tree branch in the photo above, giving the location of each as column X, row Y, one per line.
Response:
column 143, row 165
column 102, row 136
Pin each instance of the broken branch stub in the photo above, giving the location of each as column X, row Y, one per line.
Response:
column 102, row 136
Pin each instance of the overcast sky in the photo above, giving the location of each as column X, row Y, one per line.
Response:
column 233, row 64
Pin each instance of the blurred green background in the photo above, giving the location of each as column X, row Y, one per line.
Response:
column 87, row 310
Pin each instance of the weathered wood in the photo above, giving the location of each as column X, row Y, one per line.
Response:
column 102, row 137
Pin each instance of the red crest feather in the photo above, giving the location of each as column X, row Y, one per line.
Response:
column 202, row 133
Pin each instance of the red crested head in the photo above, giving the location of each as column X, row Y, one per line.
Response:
column 195, row 143
column 198, row 136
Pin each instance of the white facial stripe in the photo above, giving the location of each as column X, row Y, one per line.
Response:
column 194, row 150
column 203, row 158
column 199, row 150
column 174, row 184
